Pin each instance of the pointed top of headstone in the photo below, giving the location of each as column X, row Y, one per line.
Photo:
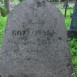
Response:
column 38, row 3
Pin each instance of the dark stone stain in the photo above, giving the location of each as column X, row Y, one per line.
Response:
column 0, row 76
column 11, row 76
column 69, row 64
column 28, row 58
column 60, row 38
column 25, row 75
column 53, row 32
column 41, row 22
column 43, row 1
column 18, row 76
column 30, row 21
column 39, row 4
column 55, row 21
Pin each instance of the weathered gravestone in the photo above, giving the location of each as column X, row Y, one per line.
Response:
column 35, row 42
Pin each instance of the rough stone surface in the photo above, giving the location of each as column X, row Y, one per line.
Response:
column 35, row 42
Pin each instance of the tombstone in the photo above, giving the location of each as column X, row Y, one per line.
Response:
column 35, row 42
column 72, row 32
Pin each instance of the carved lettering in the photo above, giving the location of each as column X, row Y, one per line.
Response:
column 20, row 33
column 43, row 36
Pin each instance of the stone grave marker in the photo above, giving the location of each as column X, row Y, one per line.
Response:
column 35, row 42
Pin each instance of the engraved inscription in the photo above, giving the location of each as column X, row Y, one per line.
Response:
column 43, row 36
column 20, row 33
column 36, row 32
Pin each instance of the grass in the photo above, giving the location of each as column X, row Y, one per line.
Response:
column 67, row 18
column 2, row 27
column 73, row 51
column 72, row 42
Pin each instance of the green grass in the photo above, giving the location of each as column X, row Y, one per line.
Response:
column 2, row 27
column 67, row 18
column 72, row 42
column 73, row 51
